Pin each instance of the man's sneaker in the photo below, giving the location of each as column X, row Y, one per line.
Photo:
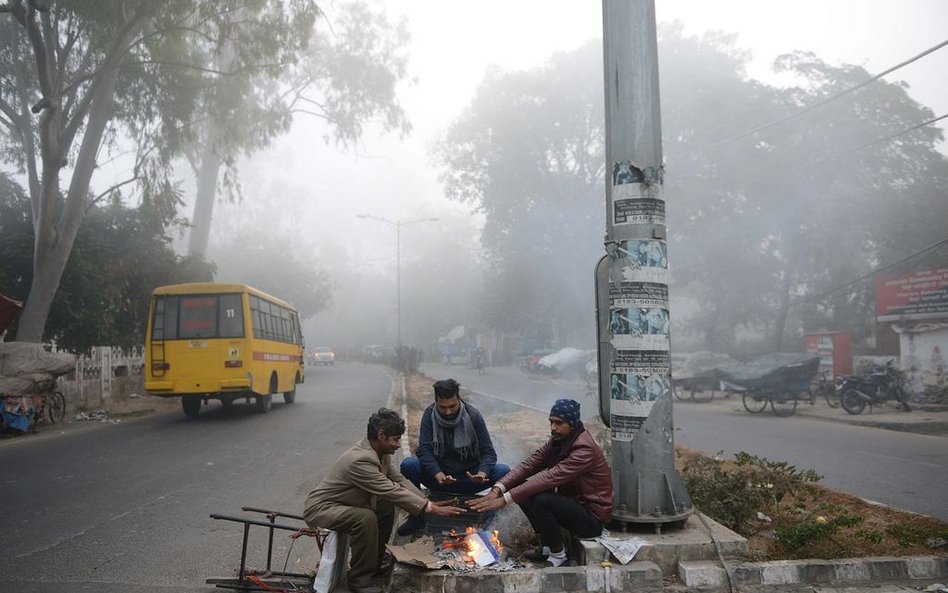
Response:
column 561, row 559
column 537, row 554
column 412, row 525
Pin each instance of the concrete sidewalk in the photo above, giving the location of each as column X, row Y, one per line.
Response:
column 929, row 419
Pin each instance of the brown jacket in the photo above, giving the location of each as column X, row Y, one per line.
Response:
column 357, row 479
column 582, row 474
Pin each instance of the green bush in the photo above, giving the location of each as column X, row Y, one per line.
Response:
column 733, row 493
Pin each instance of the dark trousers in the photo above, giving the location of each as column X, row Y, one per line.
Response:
column 411, row 469
column 369, row 530
column 548, row 512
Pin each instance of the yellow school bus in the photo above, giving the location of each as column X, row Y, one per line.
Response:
column 222, row 341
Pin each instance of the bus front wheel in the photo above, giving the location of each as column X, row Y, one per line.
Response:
column 191, row 404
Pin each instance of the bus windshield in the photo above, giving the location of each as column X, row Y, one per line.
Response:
column 197, row 316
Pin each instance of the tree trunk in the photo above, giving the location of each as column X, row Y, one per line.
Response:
column 204, row 200
column 780, row 322
column 55, row 230
column 210, row 161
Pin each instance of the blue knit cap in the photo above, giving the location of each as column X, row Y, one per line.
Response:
column 567, row 410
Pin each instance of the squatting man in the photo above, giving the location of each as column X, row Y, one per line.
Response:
column 359, row 494
column 566, row 483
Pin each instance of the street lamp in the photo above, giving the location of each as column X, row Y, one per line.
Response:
column 397, row 225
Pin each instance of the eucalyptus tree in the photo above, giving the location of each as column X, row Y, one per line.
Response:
column 82, row 82
column 120, row 254
column 346, row 74
column 756, row 221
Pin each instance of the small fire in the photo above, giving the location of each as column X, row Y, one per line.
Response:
column 475, row 547
column 495, row 540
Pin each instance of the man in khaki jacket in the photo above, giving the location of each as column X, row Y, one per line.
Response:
column 359, row 495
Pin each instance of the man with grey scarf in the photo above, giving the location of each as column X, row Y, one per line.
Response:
column 454, row 453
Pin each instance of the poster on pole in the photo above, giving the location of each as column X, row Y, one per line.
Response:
column 640, row 260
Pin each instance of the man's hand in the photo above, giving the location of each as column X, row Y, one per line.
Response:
column 444, row 508
column 478, row 478
column 444, row 479
column 489, row 502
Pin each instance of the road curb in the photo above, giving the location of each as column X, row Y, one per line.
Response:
column 711, row 576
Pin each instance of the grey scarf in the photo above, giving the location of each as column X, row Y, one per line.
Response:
column 465, row 439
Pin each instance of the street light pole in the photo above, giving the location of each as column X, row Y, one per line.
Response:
column 397, row 225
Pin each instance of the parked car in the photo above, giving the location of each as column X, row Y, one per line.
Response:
column 322, row 355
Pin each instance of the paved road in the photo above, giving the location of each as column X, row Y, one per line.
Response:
column 125, row 507
column 905, row 470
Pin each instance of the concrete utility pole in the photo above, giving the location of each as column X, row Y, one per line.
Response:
column 632, row 279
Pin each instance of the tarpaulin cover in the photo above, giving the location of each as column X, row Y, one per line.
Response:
column 772, row 370
column 9, row 309
column 19, row 359
column 702, row 365
column 567, row 359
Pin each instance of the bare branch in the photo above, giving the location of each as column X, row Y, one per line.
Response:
column 96, row 199
column 111, row 61
column 24, row 15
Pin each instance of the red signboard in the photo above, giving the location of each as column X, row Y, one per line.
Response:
column 917, row 295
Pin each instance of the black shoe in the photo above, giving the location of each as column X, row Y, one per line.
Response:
column 537, row 554
column 412, row 525
column 385, row 565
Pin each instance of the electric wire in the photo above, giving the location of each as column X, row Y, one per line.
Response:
column 810, row 164
column 821, row 102
column 819, row 296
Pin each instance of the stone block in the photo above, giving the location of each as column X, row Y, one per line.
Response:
column 747, row 574
column 639, row 576
column 851, row 571
column 922, row 567
column 572, row 578
column 701, row 574
column 817, row 572
column 887, row 568
column 780, row 572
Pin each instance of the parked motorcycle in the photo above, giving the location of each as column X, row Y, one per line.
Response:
column 884, row 383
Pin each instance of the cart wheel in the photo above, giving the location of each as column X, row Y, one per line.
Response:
column 703, row 396
column 754, row 403
column 783, row 404
column 56, row 407
column 680, row 393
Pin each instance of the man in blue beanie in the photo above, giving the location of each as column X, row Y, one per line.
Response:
column 571, row 486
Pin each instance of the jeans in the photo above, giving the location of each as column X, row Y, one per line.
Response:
column 411, row 469
column 548, row 511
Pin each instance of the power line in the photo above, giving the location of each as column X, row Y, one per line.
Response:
column 819, row 296
column 821, row 102
column 863, row 146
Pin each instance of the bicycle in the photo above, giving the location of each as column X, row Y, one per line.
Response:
column 55, row 405
column 825, row 385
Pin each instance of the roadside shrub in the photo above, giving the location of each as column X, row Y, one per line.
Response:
column 741, row 493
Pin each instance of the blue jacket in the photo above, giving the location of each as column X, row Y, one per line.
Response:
column 451, row 463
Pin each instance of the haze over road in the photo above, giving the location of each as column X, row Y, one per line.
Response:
column 905, row 470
